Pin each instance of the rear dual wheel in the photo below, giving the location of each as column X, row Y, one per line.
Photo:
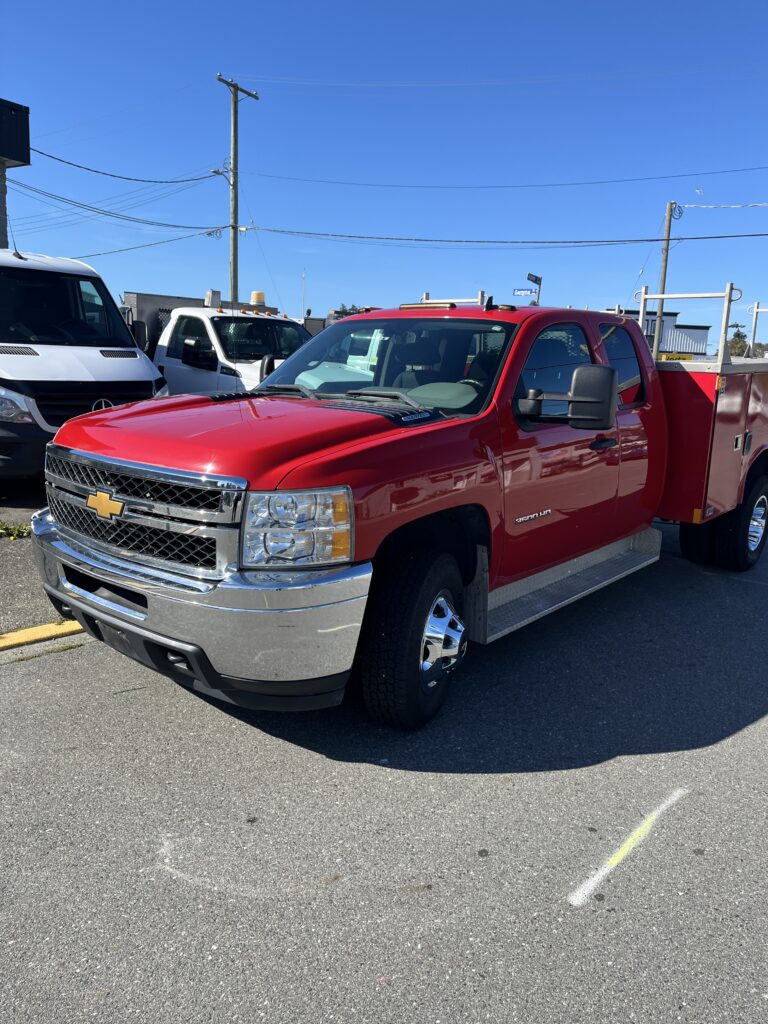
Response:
column 736, row 540
column 741, row 534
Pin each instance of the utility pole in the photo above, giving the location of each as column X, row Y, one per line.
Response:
column 672, row 211
column 234, row 225
column 3, row 209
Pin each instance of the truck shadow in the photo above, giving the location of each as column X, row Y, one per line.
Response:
column 670, row 659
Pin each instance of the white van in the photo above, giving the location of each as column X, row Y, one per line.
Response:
column 64, row 350
column 204, row 350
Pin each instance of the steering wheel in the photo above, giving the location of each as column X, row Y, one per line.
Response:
column 19, row 328
column 65, row 328
column 475, row 383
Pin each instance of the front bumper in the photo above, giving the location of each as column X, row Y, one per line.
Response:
column 260, row 640
column 22, row 449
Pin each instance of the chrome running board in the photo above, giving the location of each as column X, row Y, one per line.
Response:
column 517, row 604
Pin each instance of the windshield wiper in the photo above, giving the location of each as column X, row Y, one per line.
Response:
column 390, row 393
column 287, row 389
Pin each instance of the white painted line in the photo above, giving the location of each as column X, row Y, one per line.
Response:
column 580, row 896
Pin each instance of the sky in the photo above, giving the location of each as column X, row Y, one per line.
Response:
column 450, row 98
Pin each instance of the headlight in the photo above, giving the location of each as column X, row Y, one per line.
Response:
column 161, row 388
column 287, row 528
column 13, row 408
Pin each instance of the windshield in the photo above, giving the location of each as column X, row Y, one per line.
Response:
column 246, row 340
column 46, row 308
column 445, row 364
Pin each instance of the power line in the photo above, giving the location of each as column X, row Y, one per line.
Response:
column 526, row 185
column 721, row 206
column 111, row 213
column 148, row 245
column 67, row 216
column 475, row 242
column 123, row 177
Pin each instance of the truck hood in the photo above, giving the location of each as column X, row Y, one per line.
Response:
column 259, row 439
column 78, row 363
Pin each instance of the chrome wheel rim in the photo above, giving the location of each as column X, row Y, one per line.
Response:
column 757, row 523
column 443, row 643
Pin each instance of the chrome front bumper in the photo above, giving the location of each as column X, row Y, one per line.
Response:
column 258, row 639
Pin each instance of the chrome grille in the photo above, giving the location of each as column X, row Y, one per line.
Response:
column 147, row 541
column 127, row 485
column 169, row 518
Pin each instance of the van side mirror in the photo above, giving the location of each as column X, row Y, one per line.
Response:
column 200, row 353
column 139, row 332
column 592, row 399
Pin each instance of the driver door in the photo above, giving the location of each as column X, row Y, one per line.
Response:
column 560, row 482
column 183, row 378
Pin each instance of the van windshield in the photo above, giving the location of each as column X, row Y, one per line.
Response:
column 42, row 307
column 246, row 339
column 449, row 365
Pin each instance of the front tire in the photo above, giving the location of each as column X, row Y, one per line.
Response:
column 413, row 639
column 741, row 534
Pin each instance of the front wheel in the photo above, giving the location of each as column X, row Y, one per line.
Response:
column 741, row 534
column 414, row 637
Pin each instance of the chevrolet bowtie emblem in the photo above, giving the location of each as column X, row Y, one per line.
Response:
column 104, row 505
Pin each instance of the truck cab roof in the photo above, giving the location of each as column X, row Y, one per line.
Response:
column 209, row 312
column 491, row 312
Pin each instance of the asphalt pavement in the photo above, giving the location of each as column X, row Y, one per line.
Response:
column 164, row 859
column 23, row 603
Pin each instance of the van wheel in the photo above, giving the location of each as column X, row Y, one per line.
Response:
column 697, row 542
column 413, row 639
column 741, row 534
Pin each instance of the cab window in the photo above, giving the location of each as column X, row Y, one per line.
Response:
column 290, row 337
column 188, row 328
column 620, row 353
column 554, row 356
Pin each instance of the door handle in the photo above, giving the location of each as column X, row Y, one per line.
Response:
column 600, row 443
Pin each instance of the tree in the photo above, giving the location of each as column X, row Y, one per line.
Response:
column 738, row 340
column 345, row 310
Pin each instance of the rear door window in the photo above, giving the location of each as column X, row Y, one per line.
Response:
column 619, row 351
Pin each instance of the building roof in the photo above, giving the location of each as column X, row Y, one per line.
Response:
column 36, row 261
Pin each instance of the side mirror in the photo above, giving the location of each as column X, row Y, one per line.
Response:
column 592, row 400
column 200, row 353
column 593, row 397
column 267, row 366
column 139, row 332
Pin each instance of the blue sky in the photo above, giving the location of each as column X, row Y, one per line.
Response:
column 403, row 93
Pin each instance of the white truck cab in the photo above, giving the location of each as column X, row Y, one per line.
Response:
column 64, row 350
column 205, row 350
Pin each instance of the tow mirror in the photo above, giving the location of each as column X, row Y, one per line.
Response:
column 592, row 400
column 267, row 367
column 200, row 353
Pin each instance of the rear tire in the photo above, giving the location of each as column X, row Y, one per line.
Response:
column 697, row 542
column 412, row 639
column 741, row 535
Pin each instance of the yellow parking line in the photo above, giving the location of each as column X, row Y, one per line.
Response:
column 34, row 634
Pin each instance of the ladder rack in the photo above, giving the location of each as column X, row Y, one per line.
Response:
column 730, row 294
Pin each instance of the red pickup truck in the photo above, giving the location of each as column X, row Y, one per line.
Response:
column 408, row 481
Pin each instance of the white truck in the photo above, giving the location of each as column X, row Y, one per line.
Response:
column 209, row 350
